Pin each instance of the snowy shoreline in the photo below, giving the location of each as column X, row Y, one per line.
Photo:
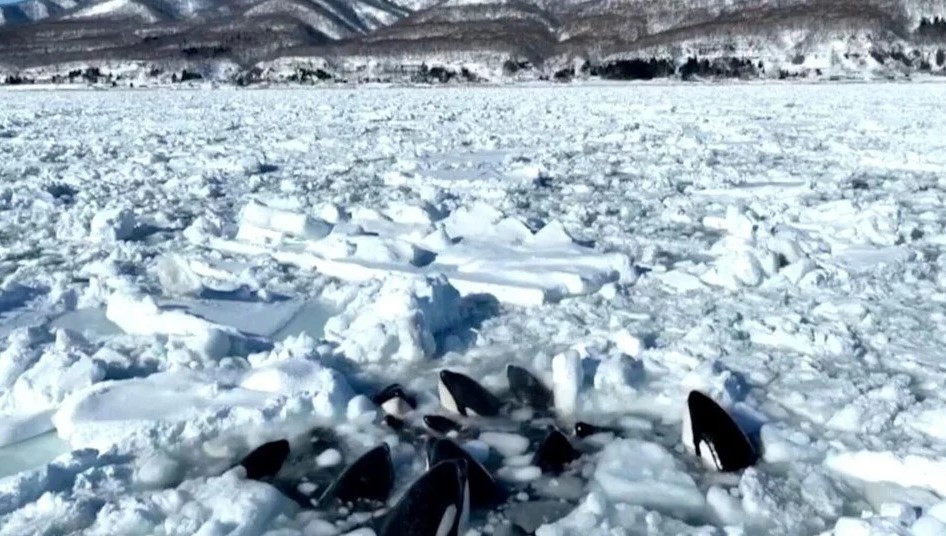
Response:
column 512, row 85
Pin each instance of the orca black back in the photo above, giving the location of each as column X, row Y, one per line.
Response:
column 440, row 424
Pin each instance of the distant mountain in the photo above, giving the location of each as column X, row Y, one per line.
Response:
column 243, row 41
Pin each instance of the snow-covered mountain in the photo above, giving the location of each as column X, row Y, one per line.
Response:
column 34, row 10
column 472, row 39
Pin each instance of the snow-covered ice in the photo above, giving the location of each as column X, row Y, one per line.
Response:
column 189, row 274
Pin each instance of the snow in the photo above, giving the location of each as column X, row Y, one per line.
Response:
column 117, row 8
column 654, row 479
column 206, row 417
column 396, row 319
column 112, row 224
column 260, row 222
column 187, row 275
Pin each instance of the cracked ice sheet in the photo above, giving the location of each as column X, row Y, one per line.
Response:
column 788, row 260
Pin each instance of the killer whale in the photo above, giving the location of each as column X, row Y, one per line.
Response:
column 554, row 453
column 266, row 460
column 526, row 389
column 485, row 492
column 712, row 434
column 368, row 480
column 395, row 401
column 441, row 425
column 436, row 504
column 463, row 395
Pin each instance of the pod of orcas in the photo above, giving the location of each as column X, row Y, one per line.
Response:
column 455, row 483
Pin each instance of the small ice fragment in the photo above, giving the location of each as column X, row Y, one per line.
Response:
column 328, row 458
column 506, row 444
column 519, row 474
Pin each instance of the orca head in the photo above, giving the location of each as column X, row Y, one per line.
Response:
column 484, row 491
column 454, row 518
column 445, row 390
column 393, row 423
column 395, row 401
column 435, row 504
column 527, row 389
column 461, row 394
column 369, row 479
column 714, row 436
column 583, row 429
column 554, row 453
column 441, row 425
column 266, row 460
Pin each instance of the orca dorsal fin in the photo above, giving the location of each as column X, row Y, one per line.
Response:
column 527, row 389
column 554, row 453
column 266, row 460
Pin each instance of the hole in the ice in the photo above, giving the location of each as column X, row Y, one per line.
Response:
column 242, row 293
column 144, row 231
column 750, row 424
column 16, row 296
column 31, row 453
column 61, row 191
column 477, row 309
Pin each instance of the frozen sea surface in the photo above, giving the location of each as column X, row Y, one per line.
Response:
column 188, row 274
column 31, row 453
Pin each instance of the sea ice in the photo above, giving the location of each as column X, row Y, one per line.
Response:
column 203, row 283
